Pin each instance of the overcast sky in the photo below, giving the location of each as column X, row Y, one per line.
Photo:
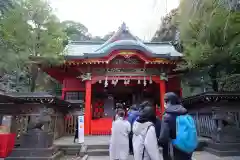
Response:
column 103, row 16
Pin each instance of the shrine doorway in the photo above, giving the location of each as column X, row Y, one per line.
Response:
column 105, row 98
column 108, row 106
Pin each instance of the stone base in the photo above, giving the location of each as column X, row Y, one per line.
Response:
column 223, row 149
column 34, row 152
column 35, row 144
column 36, row 139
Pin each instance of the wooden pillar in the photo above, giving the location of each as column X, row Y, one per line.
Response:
column 88, row 112
column 63, row 95
column 162, row 86
column 180, row 93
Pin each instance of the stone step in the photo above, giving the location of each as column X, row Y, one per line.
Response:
column 98, row 146
column 74, row 150
column 98, row 152
column 98, row 158
column 235, row 152
column 56, row 156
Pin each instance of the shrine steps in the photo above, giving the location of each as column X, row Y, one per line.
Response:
column 98, row 150
column 55, row 156
column 73, row 149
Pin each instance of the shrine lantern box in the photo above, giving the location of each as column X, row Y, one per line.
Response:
column 7, row 141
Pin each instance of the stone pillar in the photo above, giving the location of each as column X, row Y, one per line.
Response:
column 88, row 110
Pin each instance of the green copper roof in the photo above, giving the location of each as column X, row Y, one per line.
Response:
column 122, row 39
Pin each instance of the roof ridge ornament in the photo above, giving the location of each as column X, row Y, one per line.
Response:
column 123, row 26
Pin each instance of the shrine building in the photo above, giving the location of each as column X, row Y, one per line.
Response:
column 123, row 69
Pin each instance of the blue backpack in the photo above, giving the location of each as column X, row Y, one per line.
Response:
column 186, row 134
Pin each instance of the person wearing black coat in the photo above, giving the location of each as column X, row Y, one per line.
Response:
column 173, row 108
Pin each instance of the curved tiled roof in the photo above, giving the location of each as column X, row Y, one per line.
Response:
column 124, row 44
column 124, row 40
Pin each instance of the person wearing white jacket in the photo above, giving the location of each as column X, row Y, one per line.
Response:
column 145, row 145
column 119, row 142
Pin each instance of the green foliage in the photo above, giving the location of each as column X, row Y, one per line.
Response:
column 30, row 29
column 168, row 28
column 75, row 31
column 4, row 5
column 108, row 36
column 210, row 34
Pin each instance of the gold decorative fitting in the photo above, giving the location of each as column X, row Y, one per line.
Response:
column 126, row 53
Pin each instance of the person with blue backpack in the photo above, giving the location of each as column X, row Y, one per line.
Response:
column 178, row 129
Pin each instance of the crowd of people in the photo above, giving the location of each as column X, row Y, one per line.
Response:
column 141, row 133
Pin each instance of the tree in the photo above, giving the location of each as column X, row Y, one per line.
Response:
column 76, row 31
column 4, row 4
column 210, row 34
column 107, row 36
column 168, row 28
column 30, row 28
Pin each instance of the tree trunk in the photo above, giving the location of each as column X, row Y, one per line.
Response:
column 34, row 75
column 213, row 76
column 34, row 68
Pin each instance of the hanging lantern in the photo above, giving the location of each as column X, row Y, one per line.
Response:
column 139, row 81
column 115, row 82
column 150, row 80
column 100, row 81
column 129, row 81
column 144, row 81
column 106, row 82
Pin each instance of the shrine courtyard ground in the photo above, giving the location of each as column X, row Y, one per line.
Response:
column 98, row 149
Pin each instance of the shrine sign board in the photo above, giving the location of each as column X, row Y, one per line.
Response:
column 80, row 129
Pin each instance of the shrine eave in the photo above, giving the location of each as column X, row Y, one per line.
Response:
column 211, row 97
column 100, row 55
column 41, row 98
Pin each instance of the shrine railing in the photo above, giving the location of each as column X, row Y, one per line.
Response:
column 206, row 125
column 70, row 125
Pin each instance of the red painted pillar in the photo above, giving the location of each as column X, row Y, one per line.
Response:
column 162, row 93
column 63, row 95
column 180, row 93
column 88, row 114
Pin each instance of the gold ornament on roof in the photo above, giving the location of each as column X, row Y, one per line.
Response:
column 85, row 76
column 126, row 54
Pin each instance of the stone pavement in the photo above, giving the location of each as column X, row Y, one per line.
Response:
column 88, row 140
column 104, row 140
column 197, row 156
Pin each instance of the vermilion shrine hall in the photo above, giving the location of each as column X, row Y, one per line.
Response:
column 123, row 69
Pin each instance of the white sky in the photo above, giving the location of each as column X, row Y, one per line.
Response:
column 103, row 16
